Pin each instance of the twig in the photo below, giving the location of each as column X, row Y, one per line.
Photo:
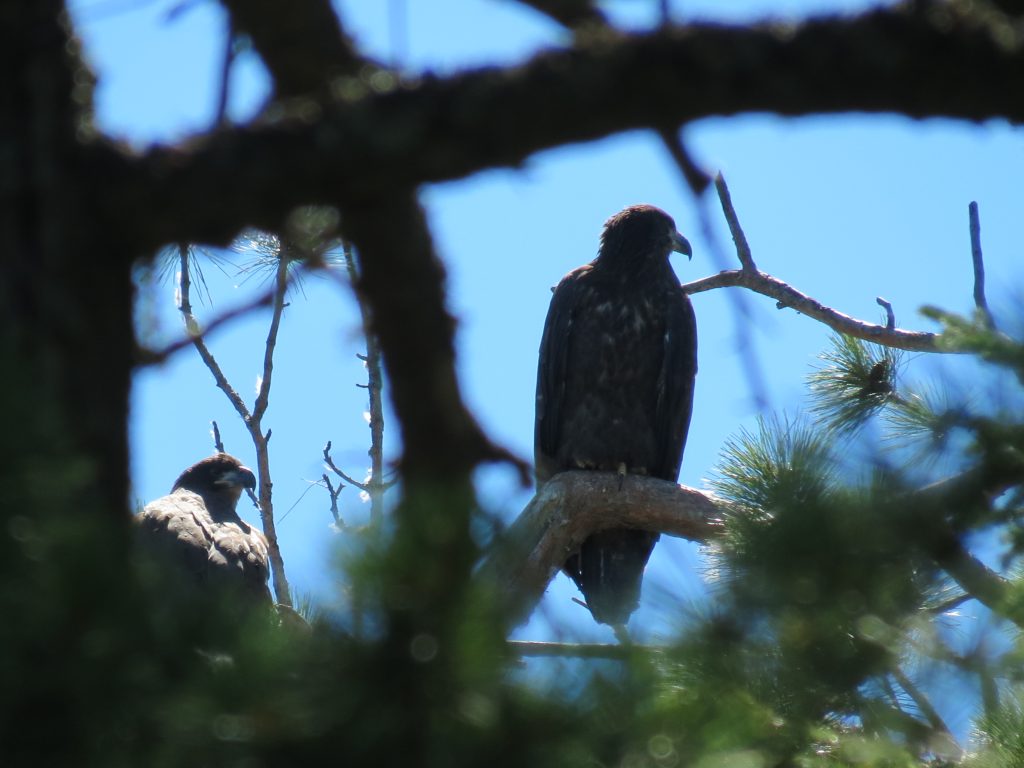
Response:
column 374, row 390
column 329, row 461
column 742, row 246
column 334, row 499
column 742, row 316
column 890, row 316
column 751, row 278
column 217, row 442
column 280, row 290
column 197, row 340
column 979, row 266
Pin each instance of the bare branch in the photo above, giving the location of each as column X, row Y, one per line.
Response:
column 890, row 316
column 334, row 493
column 751, row 278
column 979, row 266
column 192, row 328
column 217, row 442
column 766, row 285
column 280, row 291
column 738, row 237
column 146, row 356
column 329, row 461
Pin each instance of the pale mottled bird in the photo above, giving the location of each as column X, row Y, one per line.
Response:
column 207, row 550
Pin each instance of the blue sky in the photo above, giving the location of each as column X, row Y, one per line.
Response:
column 843, row 208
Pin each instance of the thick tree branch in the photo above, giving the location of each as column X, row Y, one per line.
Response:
column 574, row 504
column 381, row 134
column 402, row 282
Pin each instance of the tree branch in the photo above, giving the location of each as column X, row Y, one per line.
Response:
column 759, row 282
column 382, row 136
column 733, row 220
column 766, row 285
column 571, row 506
column 197, row 340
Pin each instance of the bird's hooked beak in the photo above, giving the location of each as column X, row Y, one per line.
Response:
column 242, row 477
column 681, row 245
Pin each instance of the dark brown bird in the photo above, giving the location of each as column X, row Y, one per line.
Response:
column 209, row 550
column 615, row 380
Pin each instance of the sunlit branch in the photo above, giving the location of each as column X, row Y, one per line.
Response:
column 751, row 278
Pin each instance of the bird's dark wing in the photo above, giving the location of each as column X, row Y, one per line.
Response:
column 551, row 372
column 675, row 387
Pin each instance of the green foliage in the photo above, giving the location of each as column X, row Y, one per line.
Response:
column 782, row 461
column 856, row 381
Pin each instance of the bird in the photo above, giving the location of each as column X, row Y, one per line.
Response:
column 615, row 382
column 207, row 551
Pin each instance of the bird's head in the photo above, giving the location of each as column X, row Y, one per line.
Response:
column 219, row 479
column 638, row 235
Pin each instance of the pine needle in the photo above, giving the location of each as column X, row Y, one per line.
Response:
column 857, row 380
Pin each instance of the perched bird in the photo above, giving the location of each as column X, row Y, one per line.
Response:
column 615, row 380
column 197, row 534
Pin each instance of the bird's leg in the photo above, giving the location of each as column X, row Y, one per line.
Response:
column 622, row 473
column 622, row 635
